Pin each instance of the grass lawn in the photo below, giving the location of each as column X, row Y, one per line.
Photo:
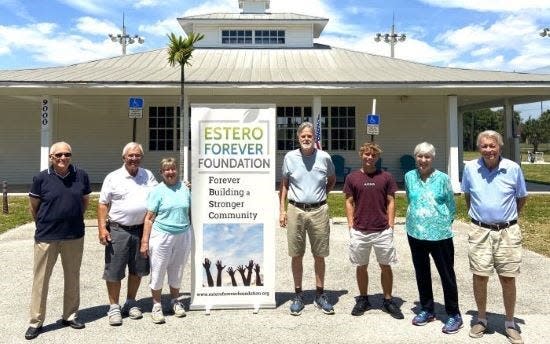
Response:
column 534, row 219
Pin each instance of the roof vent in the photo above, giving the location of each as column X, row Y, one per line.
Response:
column 254, row 6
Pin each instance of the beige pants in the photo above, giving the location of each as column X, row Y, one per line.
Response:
column 45, row 256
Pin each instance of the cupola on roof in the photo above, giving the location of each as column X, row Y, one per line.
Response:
column 254, row 6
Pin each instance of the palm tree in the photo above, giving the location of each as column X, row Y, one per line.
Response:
column 179, row 52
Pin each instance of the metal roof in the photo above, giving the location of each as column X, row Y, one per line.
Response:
column 321, row 65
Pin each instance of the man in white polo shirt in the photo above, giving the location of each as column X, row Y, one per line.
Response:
column 120, row 216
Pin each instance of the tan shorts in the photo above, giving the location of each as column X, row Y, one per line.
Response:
column 495, row 250
column 362, row 242
column 313, row 222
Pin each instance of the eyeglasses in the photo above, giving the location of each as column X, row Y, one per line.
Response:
column 59, row 155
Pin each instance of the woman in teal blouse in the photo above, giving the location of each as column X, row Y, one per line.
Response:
column 167, row 236
column 430, row 215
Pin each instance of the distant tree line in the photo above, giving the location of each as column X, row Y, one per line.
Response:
column 533, row 131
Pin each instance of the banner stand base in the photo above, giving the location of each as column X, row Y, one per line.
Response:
column 207, row 309
column 256, row 308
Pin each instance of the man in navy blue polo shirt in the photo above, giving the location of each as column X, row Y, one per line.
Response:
column 58, row 200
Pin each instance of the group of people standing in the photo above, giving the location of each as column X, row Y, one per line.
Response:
column 495, row 193
column 146, row 227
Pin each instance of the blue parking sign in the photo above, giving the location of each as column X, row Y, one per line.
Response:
column 135, row 103
column 373, row 119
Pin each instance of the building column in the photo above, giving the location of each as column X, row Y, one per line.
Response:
column 452, row 142
column 46, row 128
column 460, row 132
column 511, row 142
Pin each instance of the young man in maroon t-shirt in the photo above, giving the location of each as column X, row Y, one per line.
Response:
column 370, row 210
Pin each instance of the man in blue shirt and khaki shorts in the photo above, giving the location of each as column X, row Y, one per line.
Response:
column 495, row 192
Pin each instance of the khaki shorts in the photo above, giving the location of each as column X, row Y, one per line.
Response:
column 361, row 243
column 495, row 250
column 315, row 223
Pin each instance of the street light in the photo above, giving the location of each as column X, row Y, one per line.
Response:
column 545, row 32
column 392, row 38
column 125, row 39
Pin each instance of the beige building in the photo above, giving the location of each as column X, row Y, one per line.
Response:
column 250, row 57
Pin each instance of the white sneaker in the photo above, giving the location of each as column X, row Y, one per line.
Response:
column 115, row 317
column 132, row 309
column 179, row 310
column 156, row 314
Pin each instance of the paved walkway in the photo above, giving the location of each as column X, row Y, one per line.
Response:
column 271, row 325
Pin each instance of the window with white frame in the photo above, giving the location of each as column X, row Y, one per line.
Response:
column 162, row 125
column 164, row 128
column 342, row 128
column 236, row 36
column 271, row 37
column 253, row 37
column 337, row 126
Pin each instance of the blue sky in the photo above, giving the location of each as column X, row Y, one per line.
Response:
column 234, row 244
column 490, row 34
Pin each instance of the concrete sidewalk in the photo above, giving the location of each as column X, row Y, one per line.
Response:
column 272, row 325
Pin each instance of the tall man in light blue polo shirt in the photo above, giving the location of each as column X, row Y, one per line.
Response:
column 307, row 178
column 495, row 192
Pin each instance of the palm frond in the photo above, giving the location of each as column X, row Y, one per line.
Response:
column 180, row 50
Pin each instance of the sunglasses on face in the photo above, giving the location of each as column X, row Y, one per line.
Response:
column 59, row 155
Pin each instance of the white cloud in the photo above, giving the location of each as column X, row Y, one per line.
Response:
column 219, row 6
column 492, row 5
column 43, row 42
column 87, row 6
column 162, row 27
column 511, row 43
column 94, row 26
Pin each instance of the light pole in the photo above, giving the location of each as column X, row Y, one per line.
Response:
column 392, row 38
column 545, row 32
column 125, row 39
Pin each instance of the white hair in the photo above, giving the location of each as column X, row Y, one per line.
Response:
column 131, row 145
column 424, row 148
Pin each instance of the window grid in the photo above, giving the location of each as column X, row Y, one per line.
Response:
column 249, row 37
column 161, row 128
column 337, row 130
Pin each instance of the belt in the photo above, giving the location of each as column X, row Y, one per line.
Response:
column 307, row 206
column 128, row 228
column 495, row 226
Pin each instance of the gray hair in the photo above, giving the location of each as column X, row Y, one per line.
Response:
column 131, row 145
column 424, row 148
column 491, row 134
column 60, row 143
column 167, row 162
column 303, row 126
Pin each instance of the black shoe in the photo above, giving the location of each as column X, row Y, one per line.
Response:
column 361, row 305
column 32, row 332
column 392, row 309
column 73, row 323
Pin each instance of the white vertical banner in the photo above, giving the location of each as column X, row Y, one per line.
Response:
column 233, row 206
column 46, row 117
